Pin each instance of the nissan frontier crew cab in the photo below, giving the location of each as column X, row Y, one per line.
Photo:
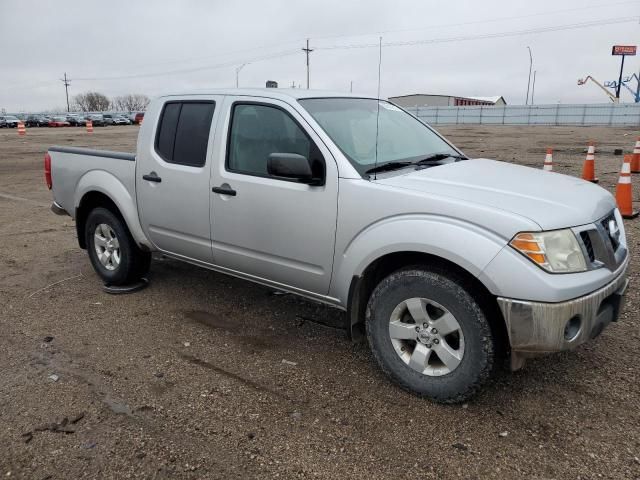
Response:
column 445, row 264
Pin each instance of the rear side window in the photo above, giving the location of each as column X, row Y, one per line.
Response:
column 183, row 132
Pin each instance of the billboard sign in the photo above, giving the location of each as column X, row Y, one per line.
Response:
column 623, row 50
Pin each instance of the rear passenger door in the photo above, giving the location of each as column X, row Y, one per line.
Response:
column 172, row 178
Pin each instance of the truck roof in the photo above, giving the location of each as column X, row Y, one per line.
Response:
column 277, row 93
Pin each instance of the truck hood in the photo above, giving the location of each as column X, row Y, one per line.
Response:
column 550, row 199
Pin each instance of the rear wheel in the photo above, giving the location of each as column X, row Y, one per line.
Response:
column 113, row 253
column 429, row 334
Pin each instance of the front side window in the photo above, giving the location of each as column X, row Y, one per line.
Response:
column 353, row 125
column 183, row 132
column 257, row 131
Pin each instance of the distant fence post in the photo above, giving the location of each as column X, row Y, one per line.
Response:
column 611, row 110
column 457, row 113
column 584, row 114
column 480, row 114
column 504, row 110
column 557, row 113
column 436, row 122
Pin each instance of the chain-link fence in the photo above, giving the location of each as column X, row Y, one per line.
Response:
column 587, row 114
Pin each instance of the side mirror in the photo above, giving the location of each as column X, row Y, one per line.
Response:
column 293, row 166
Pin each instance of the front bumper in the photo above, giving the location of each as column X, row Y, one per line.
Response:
column 536, row 328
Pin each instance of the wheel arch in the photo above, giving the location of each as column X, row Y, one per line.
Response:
column 102, row 188
column 95, row 199
column 363, row 285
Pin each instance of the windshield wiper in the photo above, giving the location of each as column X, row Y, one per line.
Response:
column 439, row 156
column 385, row 167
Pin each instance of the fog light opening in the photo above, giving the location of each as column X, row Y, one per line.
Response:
column 572, row 328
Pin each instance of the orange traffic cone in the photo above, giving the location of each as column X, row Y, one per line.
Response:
column 21, row 130
column 624, row 193
column 635, row 162
column 548, row 161
column 588, row 170
column 89, row 126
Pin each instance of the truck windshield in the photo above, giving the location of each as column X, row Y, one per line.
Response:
column 351, row 124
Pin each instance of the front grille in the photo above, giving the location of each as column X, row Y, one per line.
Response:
column 601, row 243
column 586, row 240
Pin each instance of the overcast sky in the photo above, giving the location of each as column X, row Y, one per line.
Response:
column 164, row 46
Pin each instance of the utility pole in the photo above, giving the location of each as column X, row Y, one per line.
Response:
column 307, row 51
column 529, row 81
column 533, row 88
column 66, row 82
column 620, row 80
column 238, row 74
column 351, row 88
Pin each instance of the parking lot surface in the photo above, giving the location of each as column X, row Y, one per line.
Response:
column 206, row 376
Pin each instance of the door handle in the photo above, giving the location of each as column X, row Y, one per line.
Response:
column 224, row 190
column 152, row 177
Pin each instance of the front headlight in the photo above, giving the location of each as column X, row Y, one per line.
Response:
column 557, row 251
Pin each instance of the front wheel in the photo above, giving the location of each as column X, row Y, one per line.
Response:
column 428, row 333
column 113, row 253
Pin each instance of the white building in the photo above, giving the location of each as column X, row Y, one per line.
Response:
column 426, row 100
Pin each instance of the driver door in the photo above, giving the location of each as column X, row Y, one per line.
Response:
column 265, row 227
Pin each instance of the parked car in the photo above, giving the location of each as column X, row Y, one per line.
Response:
column 58, row 121
column 108, row 119
column 11, row 121
column 120, row 120
column 136, row 117
column 3, row 122
column 36, row 121
column 441, row 262
column 96, row 119
column 76, row 120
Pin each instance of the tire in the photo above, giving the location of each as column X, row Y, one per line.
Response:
column 416, row 295
column 121, row 261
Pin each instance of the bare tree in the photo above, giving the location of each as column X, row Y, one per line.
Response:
column 91, row 102
column 133, row 102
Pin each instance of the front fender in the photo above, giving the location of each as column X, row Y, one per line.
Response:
column 109, row 185
column 467, row 245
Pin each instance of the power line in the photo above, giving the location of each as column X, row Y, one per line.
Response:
column 195, row 69
column 425, row 27
column 572, row 26
column 478, row 22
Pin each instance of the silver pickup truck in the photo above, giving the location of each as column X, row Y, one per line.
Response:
column 447, row 265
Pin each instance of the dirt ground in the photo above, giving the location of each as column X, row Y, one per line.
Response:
column 206, row 376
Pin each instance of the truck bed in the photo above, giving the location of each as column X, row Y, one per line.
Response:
column 77, row 170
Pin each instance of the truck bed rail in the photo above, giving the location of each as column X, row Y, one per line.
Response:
column 131, row 157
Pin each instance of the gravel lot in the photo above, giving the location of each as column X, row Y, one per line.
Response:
column 206, row 376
